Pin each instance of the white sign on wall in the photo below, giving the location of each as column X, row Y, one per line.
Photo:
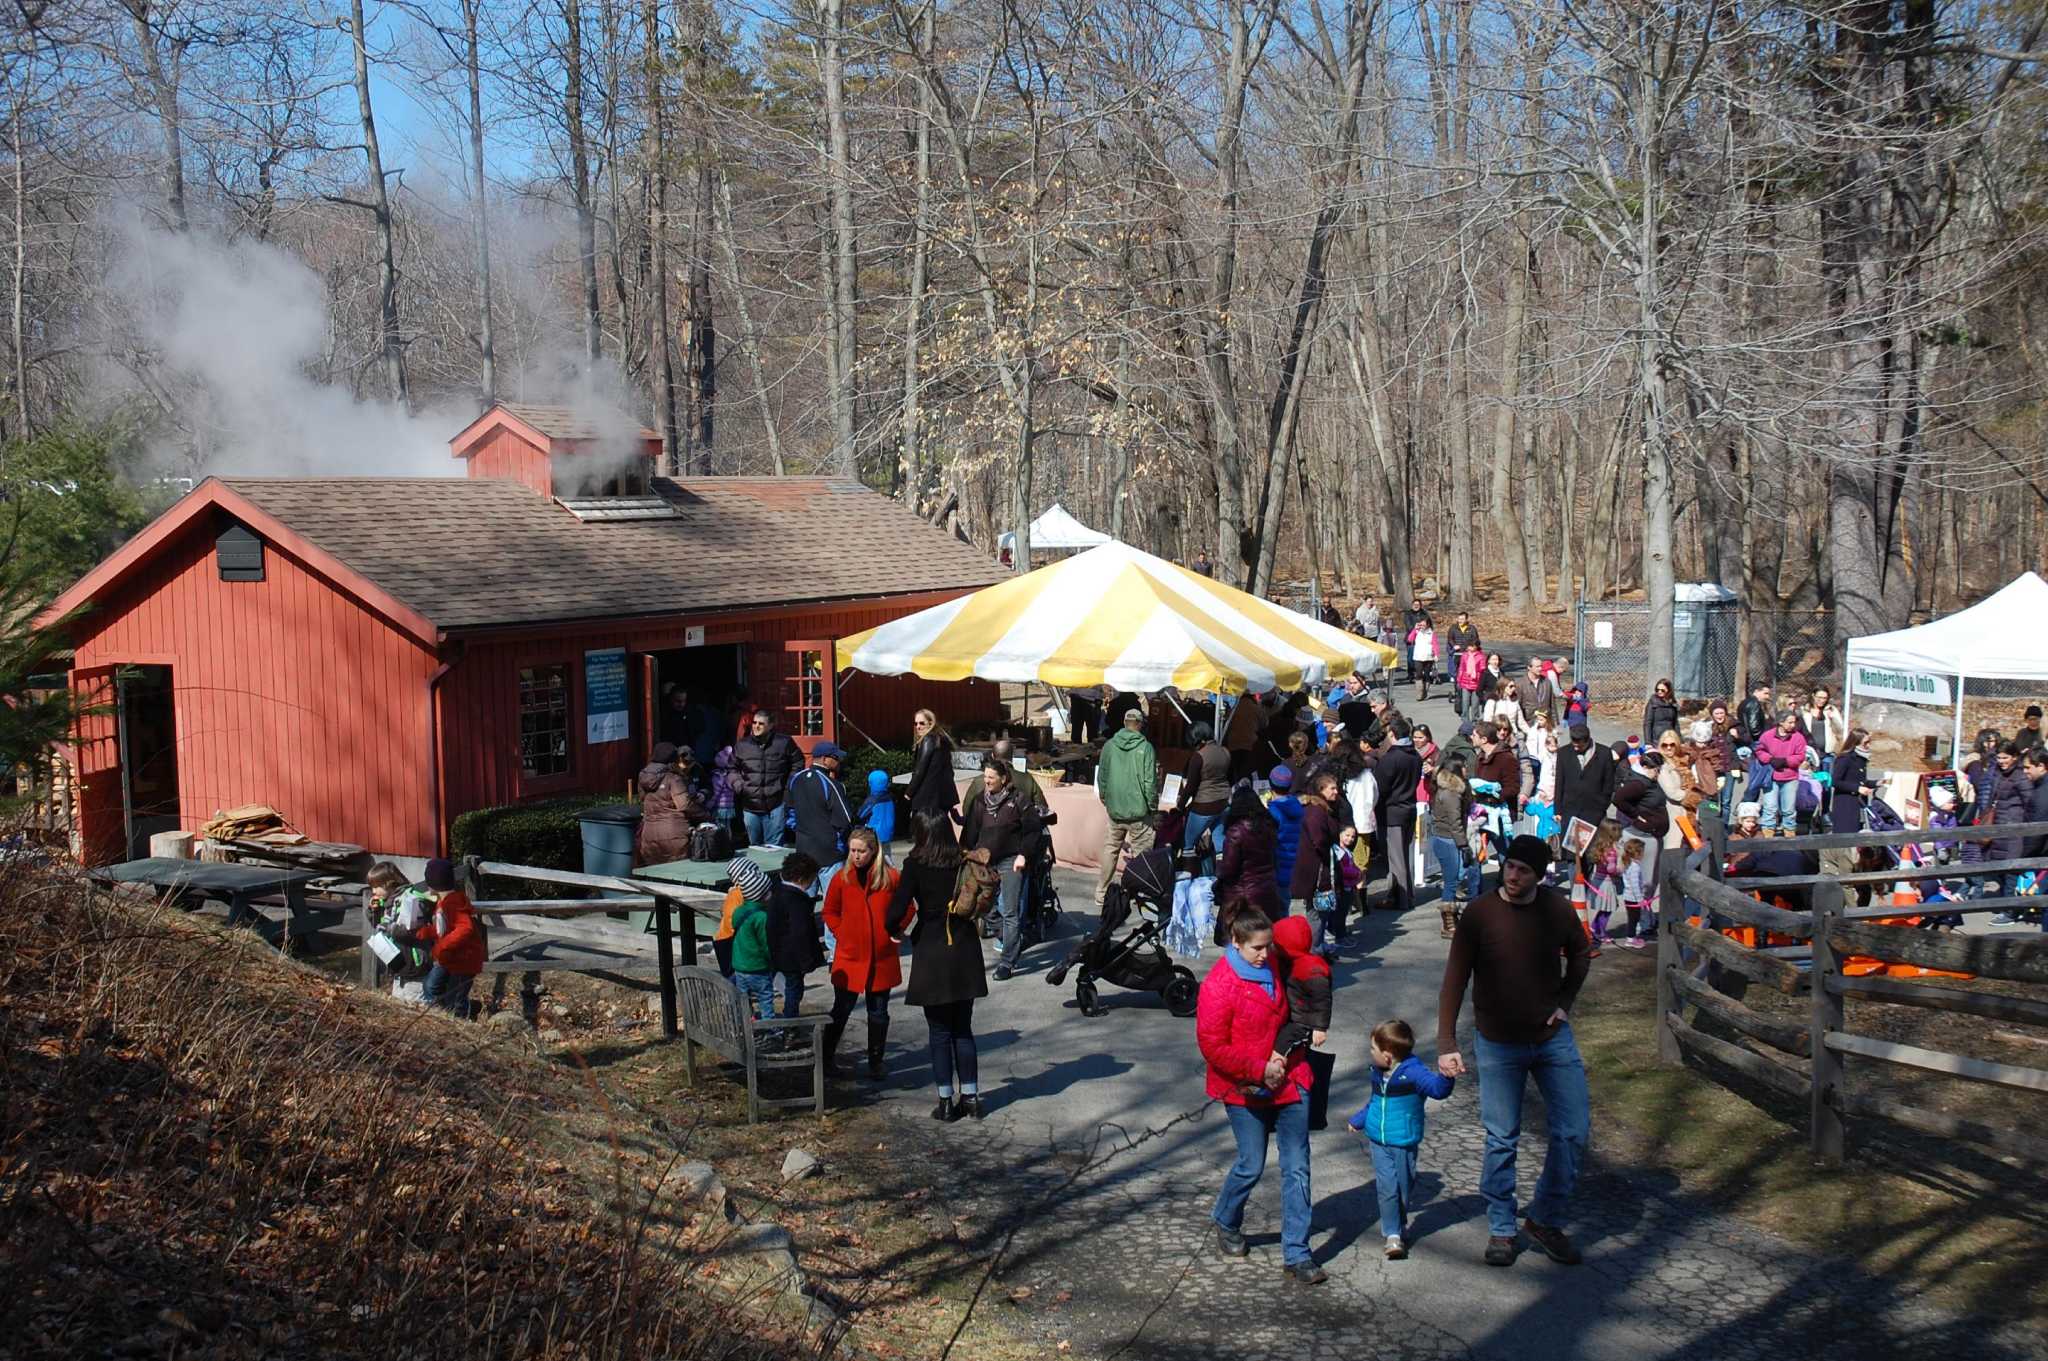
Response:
column 1876, row 682
column 1603, row 633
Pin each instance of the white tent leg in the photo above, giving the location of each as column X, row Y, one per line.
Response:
column 1955, row 752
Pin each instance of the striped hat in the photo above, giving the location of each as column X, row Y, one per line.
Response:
column 749, row 878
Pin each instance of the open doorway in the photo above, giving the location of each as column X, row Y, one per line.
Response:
column 714, row 678
column 148, row 732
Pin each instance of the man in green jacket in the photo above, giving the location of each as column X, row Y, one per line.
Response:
column 1128, row 782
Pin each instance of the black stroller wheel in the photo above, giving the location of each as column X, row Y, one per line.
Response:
column 1182, row 993
column 1084, row 997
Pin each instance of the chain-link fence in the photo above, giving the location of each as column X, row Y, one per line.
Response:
column 1795, row 648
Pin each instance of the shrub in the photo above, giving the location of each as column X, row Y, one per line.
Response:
column 546, row 835
column 860, row 760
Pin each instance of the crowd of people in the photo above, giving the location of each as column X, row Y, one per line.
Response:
column 1296, row 806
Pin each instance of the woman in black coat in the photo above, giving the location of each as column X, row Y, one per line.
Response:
column 945, row 961
column 1660, row 715
column 1849, row 779
column 932, row 789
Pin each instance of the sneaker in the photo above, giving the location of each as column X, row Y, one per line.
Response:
column 1230, row 1243
column 1396, row 1249
column 1307, row 1273
column 1500, row 1252
column 1555, row 1245
column 2004, row 919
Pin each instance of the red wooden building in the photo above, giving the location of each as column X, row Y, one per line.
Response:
column 374, row 656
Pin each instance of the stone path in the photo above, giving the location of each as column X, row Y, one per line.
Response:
column 1093, row 1176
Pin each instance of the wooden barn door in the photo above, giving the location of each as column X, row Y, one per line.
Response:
column 810, row 710
column 101, row 830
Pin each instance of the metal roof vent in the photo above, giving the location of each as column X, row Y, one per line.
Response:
column 598, row 509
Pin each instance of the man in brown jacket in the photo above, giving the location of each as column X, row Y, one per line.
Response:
column 1524, row 953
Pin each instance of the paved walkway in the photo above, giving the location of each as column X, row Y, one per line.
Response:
column 1095, row 1170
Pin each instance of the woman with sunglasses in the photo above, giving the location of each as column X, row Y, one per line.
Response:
column 932, row 789
column 1661, row 713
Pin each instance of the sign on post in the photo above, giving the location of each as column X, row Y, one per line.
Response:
column 1876, row 682
column 604, row 696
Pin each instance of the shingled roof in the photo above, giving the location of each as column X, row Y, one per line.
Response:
column 561, row 422
column 473, row 552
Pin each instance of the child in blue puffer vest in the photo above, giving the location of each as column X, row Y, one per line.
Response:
column 1391, row 1122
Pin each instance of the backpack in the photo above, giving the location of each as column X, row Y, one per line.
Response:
column 975, row 887
column 709, row 841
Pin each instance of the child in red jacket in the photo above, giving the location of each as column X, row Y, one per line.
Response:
column 457, row 941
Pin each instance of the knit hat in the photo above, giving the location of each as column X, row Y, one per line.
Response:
column 1748, row 810
column 749, row 878
column 663, row 753
column 441, row 875
column 1281, row 778
column 1532, row 852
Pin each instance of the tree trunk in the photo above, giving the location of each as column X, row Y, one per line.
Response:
column 1507, row 522
column 750, row 340
column 839, row 176
column 392, row 341
column 660, row 354
column 579, row 174
column 487, row 353
column 25, row 424
column 163, row 89
column 910, row 453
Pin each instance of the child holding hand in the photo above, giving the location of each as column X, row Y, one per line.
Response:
column 1391, row 1122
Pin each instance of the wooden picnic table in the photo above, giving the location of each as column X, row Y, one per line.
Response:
column 239, row 886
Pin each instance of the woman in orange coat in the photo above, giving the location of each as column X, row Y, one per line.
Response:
column 866, row 962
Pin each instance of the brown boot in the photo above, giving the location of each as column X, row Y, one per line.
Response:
column 1449, row 913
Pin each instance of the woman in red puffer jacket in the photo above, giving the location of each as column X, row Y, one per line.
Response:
column 1242, row 1008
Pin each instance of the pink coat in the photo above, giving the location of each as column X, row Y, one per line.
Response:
column 1792, row 749
column 1236, row 1023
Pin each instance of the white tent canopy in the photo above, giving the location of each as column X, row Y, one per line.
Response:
column 1057, row 529
column 1998, row 638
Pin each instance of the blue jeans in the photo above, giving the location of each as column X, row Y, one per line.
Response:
column 792, row 992
column 1253, row 1126
column 1779, row 804
column 1462, row 875
column 949, row 1032
column 1199, row 823
column 448, row 991
column 1010, row 914
column 1393, row 1178
column 765, row 829
column 1561, row 1076
column 759, row 991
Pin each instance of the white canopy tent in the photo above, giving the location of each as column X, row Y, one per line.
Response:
column 1998, row 638
column 1057, row 530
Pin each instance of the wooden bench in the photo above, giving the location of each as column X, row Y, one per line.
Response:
column 715, row 1015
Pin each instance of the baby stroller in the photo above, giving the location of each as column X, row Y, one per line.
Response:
column 1135, row 960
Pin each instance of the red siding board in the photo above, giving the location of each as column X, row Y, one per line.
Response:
column 273, row 699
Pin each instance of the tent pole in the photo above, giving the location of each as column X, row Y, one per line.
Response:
column 1848, row 694
column 1955, row 752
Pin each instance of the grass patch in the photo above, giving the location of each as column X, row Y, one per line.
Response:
column 1942, row 1219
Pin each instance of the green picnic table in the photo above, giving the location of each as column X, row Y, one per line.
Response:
column 711, row 873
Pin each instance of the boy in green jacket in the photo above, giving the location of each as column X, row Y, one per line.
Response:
column 753, row 970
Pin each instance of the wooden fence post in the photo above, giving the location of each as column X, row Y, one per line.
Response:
column 665, row 954
column 1825, row 1122
column 1670, row 911
column 371, row 967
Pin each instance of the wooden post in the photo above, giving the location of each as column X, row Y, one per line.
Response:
column 665, row 953
column 1825, row 1122
column 1716, row 828
column 372, row 968
column 1670, row 911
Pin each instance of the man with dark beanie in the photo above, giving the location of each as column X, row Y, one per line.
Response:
column 1523, row 951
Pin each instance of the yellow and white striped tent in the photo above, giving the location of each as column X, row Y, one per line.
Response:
column 1114, row 615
